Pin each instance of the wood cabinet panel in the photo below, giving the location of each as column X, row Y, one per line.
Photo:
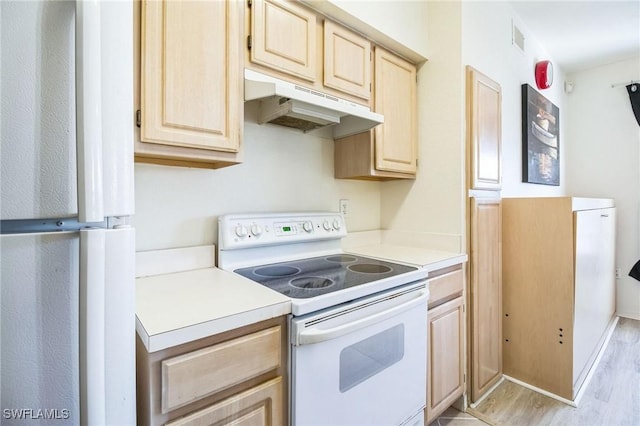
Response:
column 447, row 285
column 238, row 376
column 283, row 37
column 485, row 286
column 389, row 151
column 395, row 98
column 191, row 106
column 484, row 127
column 189, row 377
column 559, row 290
column 258, row 406
column 347, row 61
column 446, row 360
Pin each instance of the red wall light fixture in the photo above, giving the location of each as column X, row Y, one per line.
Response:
column 544, row 74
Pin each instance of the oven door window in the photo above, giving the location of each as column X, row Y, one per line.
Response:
column 368, row 357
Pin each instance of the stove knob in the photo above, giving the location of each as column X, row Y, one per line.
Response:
column 336, row 224
column 241, row 231
column 326, row 225
column 307, row 226
column 256, row 230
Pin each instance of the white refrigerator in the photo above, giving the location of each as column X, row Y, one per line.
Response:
column 67, row 299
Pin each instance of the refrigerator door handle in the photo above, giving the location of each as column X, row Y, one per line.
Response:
column 92, row 327
column 89, row 111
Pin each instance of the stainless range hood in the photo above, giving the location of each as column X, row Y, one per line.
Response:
column 291, row 105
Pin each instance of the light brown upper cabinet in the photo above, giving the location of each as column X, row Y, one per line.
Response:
column 190, row 83
column 484, row 127
column 347, row 61
column 283, row 37
column 389, row 151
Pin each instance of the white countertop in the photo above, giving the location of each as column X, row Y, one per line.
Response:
column 422, row 257
column 181, row 296
column 176, row 308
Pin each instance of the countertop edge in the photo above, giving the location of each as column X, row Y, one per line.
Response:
column 194, row 332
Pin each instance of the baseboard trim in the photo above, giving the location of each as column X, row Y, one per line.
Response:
column 540, row 391
column 487, row 393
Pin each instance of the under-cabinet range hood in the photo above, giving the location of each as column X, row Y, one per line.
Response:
column 291, row 105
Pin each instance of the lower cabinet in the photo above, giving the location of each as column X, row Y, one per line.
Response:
column 445, row 344
column 485, row 295
column 236, row 377
column 251, row 407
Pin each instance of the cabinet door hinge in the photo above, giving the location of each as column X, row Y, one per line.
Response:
column 248, row 42
column 464, row 378
column 250, row 3
column 138, row 118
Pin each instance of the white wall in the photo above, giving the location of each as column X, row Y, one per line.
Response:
column 401, row 21
column 284, row 170
column 434, row 203
column 603, row 153
column 486, row 46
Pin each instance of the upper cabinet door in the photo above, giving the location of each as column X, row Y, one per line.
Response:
column 191, row 84
column 395, row 98
column 283, row 37
column 347, row 61
column 484, row 132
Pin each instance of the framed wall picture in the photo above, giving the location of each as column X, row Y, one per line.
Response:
column 540, row 138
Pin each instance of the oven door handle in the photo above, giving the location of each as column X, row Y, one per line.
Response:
column 317, row 335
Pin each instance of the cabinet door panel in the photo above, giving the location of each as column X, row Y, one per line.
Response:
column 445, row 286
column 258, row 406
column 484, row 117
column 347, row 61
column 395, row 98
column 284, row 37
column 189, row 377
column 187, row 97
column 486, row 294
column 445, row 378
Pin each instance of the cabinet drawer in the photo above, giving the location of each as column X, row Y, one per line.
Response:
column 260, row 405
column 189, row 377
column 445, row 286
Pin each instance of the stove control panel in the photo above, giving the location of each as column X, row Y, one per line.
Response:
column 253, row 230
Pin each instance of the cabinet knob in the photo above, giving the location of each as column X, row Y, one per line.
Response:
column 604, row 215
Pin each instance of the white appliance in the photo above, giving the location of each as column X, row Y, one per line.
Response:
column 67, row 308
column 358, row 329
column 292, row 105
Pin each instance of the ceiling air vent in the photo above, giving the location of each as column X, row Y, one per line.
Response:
column 517, row 38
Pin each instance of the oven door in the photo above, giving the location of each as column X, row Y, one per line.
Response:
column 362, row 363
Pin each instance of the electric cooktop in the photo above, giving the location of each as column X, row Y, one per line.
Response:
column 306, row 278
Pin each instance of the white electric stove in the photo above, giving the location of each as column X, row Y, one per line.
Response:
column 358, row 325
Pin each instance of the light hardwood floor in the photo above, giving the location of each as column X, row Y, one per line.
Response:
column 611, row 399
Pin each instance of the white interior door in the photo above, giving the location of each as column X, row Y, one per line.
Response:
column 39, row 352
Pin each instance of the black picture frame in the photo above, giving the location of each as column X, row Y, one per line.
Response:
column 540, row 139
